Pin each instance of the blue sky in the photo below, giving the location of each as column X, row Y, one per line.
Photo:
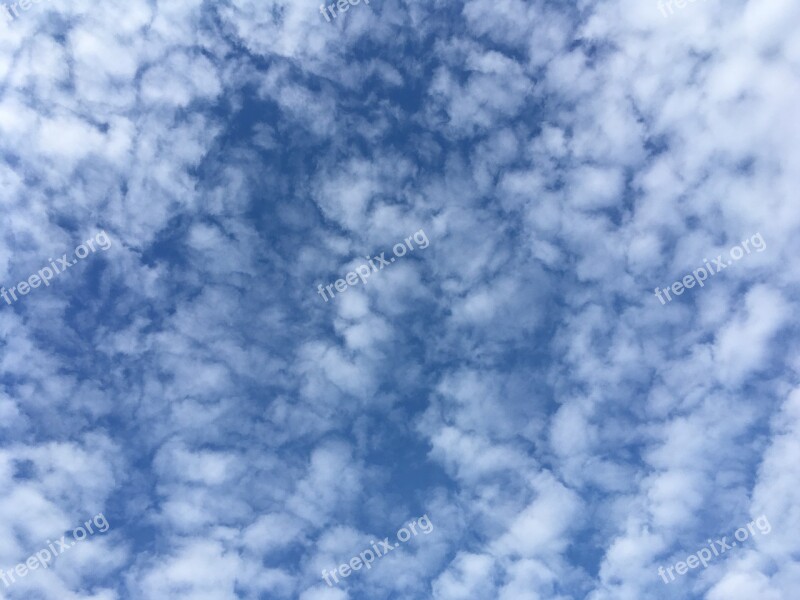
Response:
column 517, row 380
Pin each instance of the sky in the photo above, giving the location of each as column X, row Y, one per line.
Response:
column 578, row 378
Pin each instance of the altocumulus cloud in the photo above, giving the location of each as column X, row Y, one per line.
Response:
column 516, row 381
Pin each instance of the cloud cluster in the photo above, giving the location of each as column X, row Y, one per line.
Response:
column 517, row 381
